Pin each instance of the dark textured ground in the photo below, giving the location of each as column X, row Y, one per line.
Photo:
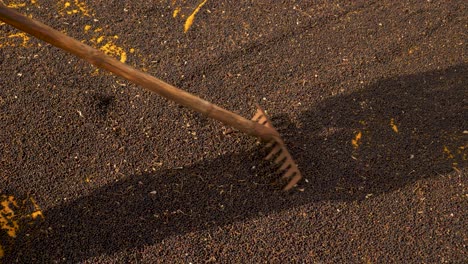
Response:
column 370, row 97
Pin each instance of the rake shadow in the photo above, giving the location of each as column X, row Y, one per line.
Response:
column 427, row 109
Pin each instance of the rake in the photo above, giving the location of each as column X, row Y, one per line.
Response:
column 259, row 126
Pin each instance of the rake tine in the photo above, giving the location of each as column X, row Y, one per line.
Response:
column 270, row 144
column 263, row 120
column 257, row 116
column 280, row 158
column 293, row 182
column 279, row 150
column 285, row 165
column 289, row 173
column 275, row 150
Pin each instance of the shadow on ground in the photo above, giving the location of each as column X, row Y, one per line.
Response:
column 410, row 127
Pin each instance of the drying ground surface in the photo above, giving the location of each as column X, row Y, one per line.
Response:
column 370, row 97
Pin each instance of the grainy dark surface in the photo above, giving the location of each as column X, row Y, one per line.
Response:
column 370, row 97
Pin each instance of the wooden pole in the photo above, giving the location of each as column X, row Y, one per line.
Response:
column 101, row 60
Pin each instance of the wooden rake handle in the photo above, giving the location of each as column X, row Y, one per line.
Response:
column 101, row 60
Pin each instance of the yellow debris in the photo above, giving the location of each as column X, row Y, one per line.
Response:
column 448, row 153
column 21, row 35
column 74, row 7
column 35, row 214
column 8, row 220
column 176, row 11
column 190, row 19
column 413, row 50
column 356, row 140
column 13, row 5
column 37, row 209
column 393, row 125
column 114, row 50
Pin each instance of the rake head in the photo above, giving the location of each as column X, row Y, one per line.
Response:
column 279, row 152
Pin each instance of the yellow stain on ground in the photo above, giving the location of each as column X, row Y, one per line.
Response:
column 462, row 151
column 100, row 39
column 11, row 40
column 191, row 18
column 8, row 219
column 35, row 214
column 74, row 7
column 413, row 50
column 448, row 153
column 113, row 50
column 176, row 11
column 16, row 5
column 109, row 48
column 37, row 210
column 13, row 214
column 357, row 138
column 393, row 125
